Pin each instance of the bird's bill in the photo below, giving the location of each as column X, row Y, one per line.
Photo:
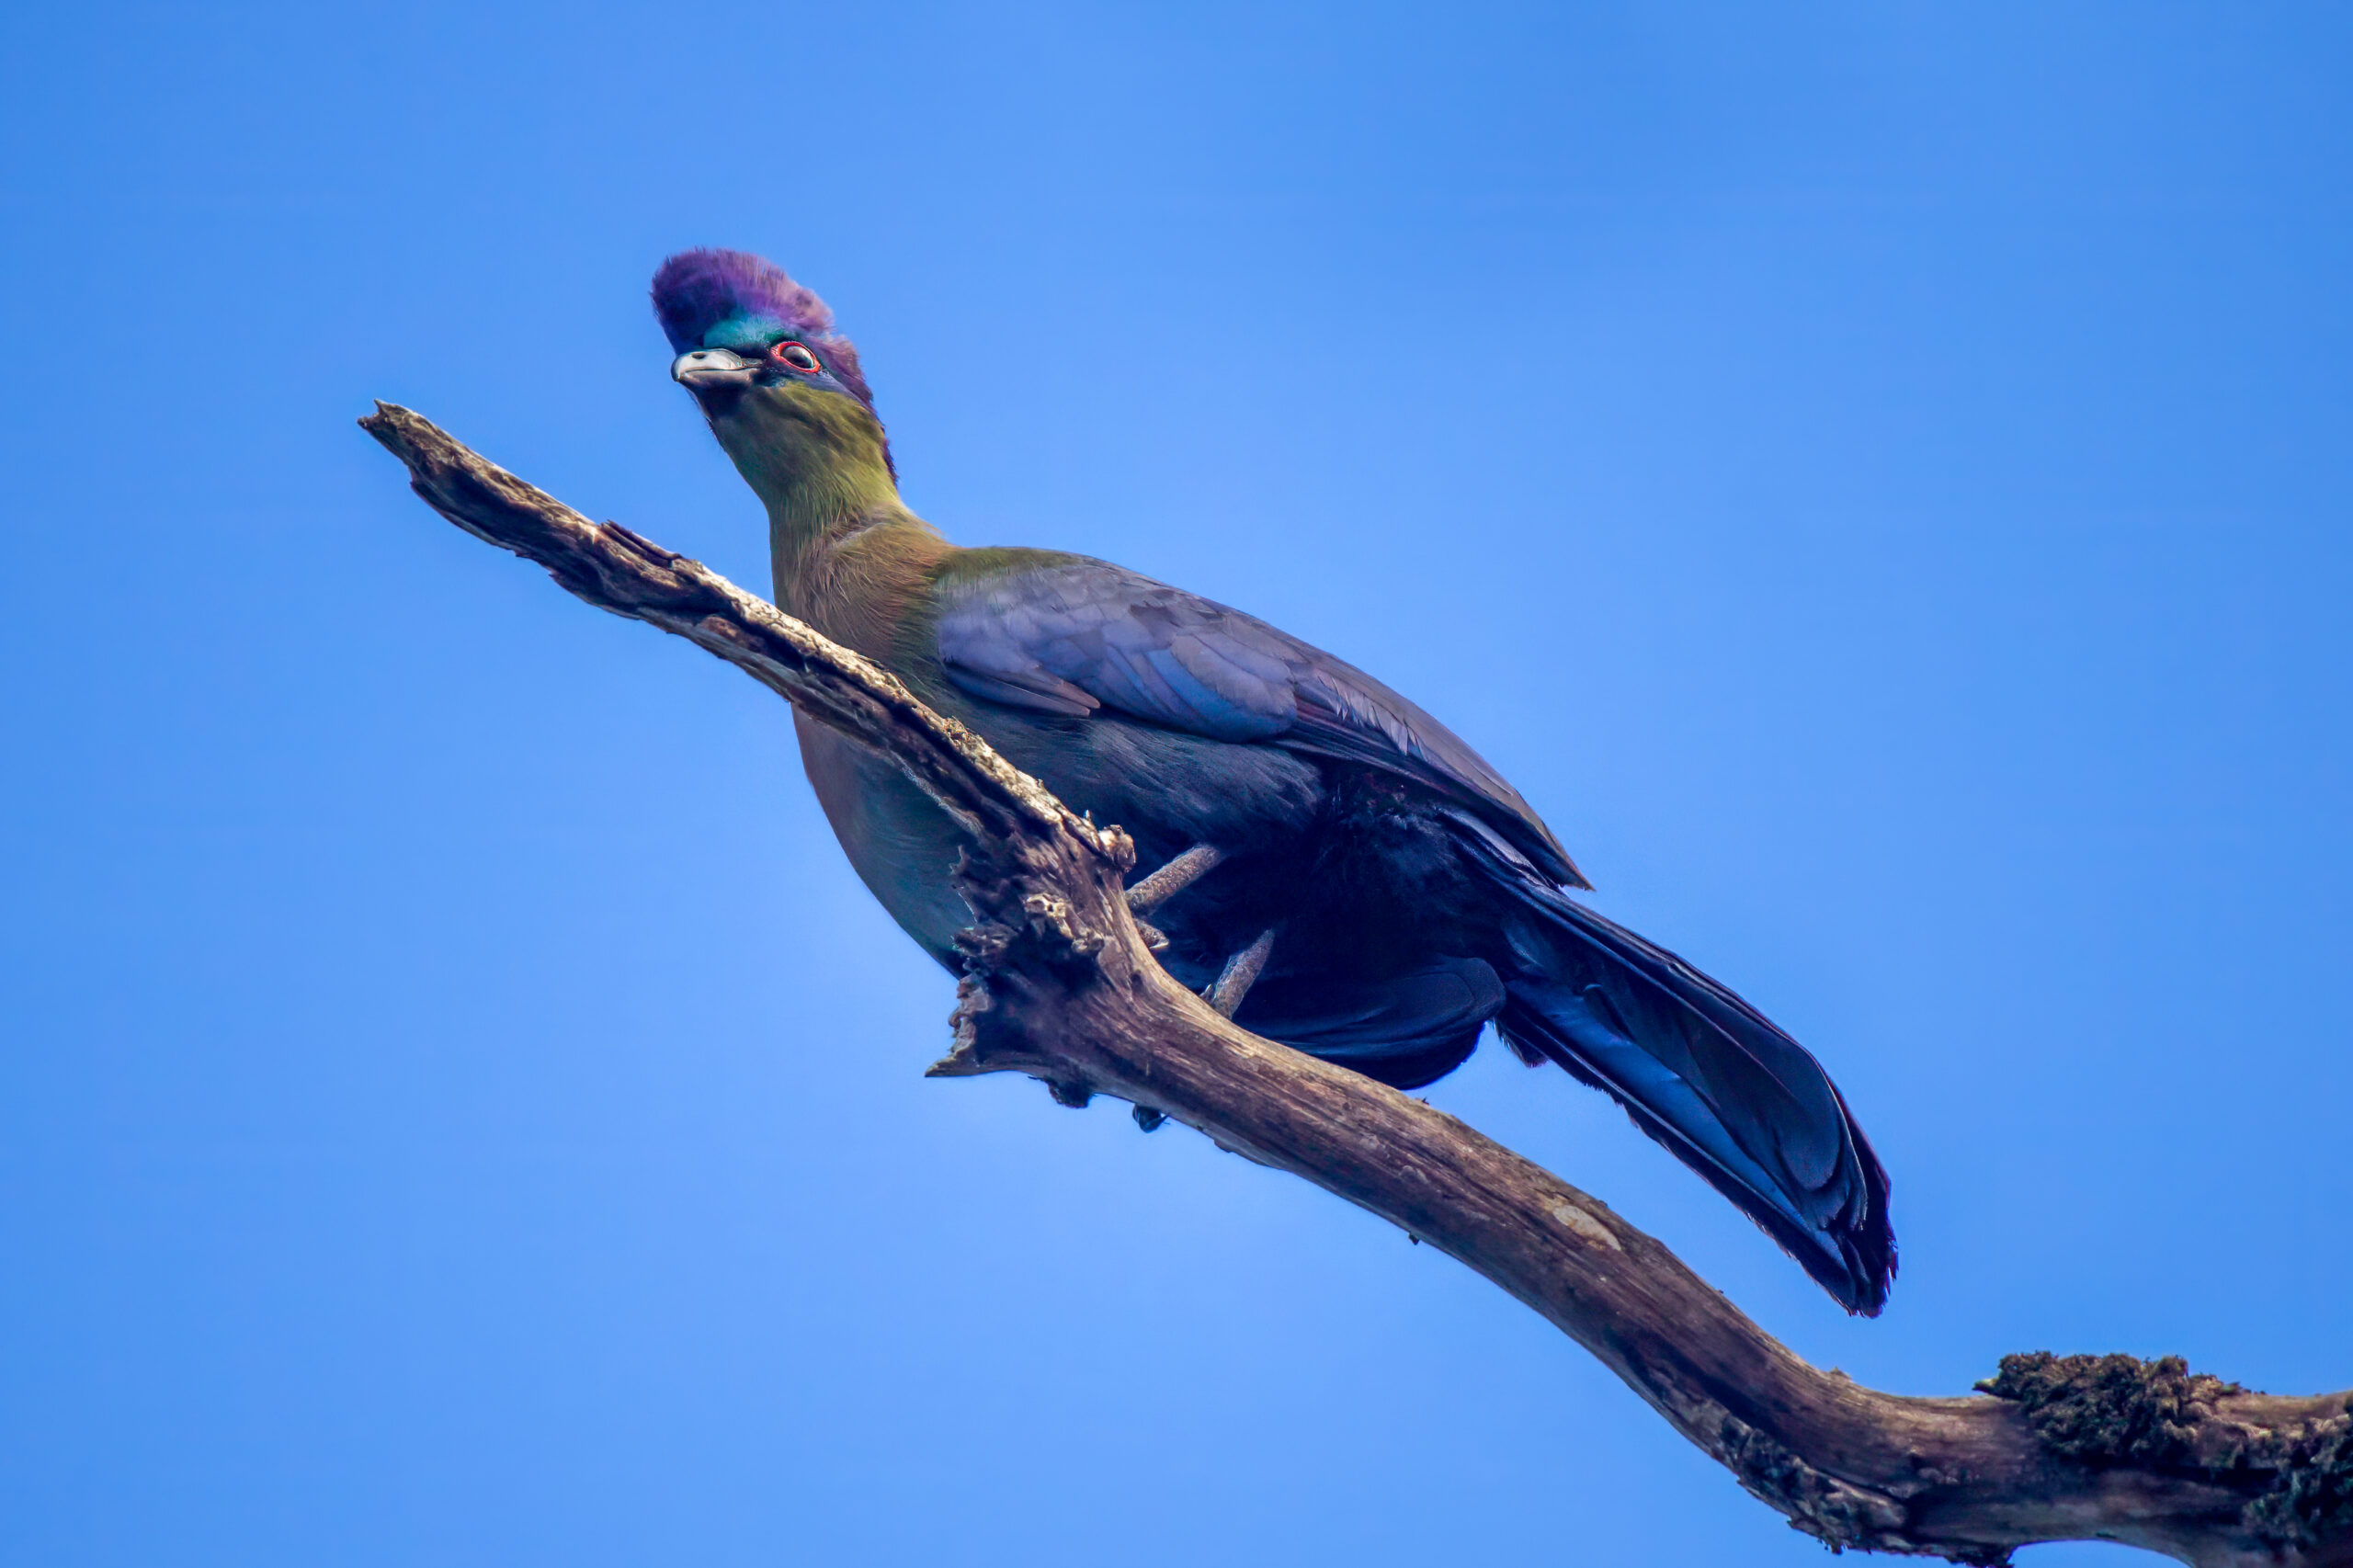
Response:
column 705, row 370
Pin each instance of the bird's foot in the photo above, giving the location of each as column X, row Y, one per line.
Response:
column 1240, row 973
column 1174, row 878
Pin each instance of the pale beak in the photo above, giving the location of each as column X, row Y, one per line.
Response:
column 711, row 370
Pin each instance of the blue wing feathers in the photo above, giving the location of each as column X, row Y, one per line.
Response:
column 1694, row 1066
column 1046, row 636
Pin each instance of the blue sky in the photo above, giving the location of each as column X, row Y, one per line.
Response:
column 1877, row 478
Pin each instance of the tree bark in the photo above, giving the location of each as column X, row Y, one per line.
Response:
column 1059, row 984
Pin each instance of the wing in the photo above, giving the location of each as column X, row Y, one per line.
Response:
column 1071, row 636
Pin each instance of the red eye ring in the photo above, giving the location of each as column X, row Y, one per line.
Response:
column 796, row 356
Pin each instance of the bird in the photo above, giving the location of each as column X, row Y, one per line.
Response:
column 1334, row 870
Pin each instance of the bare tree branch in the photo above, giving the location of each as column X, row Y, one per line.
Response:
column 1059, row 984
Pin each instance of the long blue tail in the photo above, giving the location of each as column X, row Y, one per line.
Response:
column 1700, row 1071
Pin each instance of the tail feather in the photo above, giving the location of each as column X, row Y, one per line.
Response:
column 1704, row 1074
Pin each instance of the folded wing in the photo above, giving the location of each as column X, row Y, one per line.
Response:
column 1068, row 635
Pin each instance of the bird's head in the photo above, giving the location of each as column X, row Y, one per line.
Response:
column 781, row 389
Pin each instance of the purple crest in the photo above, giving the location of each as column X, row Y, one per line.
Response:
column 695, row 291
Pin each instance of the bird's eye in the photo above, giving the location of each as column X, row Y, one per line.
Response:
column 797, row 356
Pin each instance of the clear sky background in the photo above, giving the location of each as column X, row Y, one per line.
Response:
column 1878, row 477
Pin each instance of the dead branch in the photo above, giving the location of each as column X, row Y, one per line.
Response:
column 1061, row 986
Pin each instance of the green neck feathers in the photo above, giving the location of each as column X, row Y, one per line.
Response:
column 840, row 540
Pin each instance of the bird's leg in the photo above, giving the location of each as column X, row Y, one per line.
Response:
column 1240, row 973
column 1174, row 878
column 1158, row 888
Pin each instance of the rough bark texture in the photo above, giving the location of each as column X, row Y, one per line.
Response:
column 1061, row 985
